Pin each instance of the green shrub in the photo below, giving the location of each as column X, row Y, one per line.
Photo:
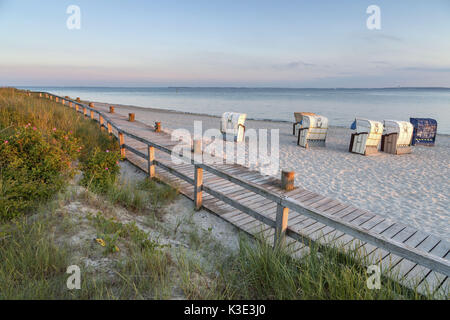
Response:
column 100, row 170
column 33, row 167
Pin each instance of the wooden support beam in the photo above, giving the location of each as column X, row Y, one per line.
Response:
column 198, row 187
column 151, row 164
column 121, row 145
column 281, row 224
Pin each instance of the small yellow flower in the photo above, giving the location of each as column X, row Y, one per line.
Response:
column 101, row 242
column 116, row 248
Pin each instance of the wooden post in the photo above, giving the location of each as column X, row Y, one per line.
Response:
column 85, row 111
column 287, row 180
column 197, row 150
column 198, row 187
column 151, row 165
column 101, row 121
column 63, row 101
column 91, row 105
column 281, row 224
column 70, row 104
column 111, row 109
column 109, row 128
column 131, row 117
column 76, row 107
column 158, row 126
column 51, row 97
column 40, row 94
column 78, row 99
column 56, row 99
column 121, row 145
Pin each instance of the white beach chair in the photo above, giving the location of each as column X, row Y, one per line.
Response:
column 397, row 137
column 313, row 131
column 367, row 137
column 232, row 126
column 298, row 119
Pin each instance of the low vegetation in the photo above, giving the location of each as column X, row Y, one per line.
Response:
column 64, row 202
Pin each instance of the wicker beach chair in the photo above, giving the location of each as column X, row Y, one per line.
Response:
column 232, row 126
column 367, row 137
column 298, row 119
column 313, row 131
column 424, row 131
column 397, row 137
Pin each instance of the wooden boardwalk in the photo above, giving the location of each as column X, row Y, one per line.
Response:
column 254, row 212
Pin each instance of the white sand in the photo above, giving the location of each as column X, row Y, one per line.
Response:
column 413, row 189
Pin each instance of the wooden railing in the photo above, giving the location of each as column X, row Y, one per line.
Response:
column 284, row 203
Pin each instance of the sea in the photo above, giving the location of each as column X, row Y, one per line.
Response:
column 340, row 106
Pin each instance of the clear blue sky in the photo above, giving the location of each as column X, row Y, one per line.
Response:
column 281, row 43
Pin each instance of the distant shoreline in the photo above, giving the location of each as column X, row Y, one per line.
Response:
column 237, row 87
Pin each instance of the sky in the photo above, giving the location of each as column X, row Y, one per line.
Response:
column 279, row 43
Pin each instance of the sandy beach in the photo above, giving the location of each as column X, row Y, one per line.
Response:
column 413, row 188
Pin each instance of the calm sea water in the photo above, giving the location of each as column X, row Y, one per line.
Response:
column 341, row 106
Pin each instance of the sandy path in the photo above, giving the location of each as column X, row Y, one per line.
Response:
column 413, row 189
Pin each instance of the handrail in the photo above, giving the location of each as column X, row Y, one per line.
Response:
column 425, row 259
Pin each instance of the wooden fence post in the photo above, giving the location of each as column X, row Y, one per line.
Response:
column 40, row 94
column 76, row 107
column 151, row 165
column 287, row 180
column 121, row 145
column 91, row 105
column 85, row 111
column 70, row 104
column 158, row 126
column 101, row 121
column 109, row 128
column 56, row 99
column 111, row 109
column 131, row 117
column 78, row 99
column 281, row 224
column 63, row 101
column 198, row 187
column 197, row 150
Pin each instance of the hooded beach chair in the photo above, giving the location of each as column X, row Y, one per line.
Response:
column 367, row 136
column 397, row 137
column 313, row 131
column 424, row 131
column 298, row 119
column 232, row 126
